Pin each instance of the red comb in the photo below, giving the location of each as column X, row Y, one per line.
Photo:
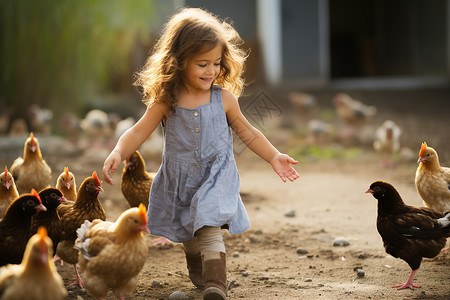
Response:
column 32, row 138
column 66, row 173
column 422, row 148
column 96, row 177
column 34, row 193
column 42, row 232
column 143, row 211
column 6, row 171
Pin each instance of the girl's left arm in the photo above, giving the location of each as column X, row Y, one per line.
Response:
column 256, row 141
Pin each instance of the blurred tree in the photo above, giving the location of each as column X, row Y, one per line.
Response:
column 62, row 53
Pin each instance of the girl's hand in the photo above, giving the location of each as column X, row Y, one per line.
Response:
column 111, row 164
column 282, row 165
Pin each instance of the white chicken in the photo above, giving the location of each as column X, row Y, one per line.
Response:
column 96, row 128
column 387, row 141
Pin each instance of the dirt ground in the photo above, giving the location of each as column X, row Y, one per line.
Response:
column 288, row 252
column 293, row 257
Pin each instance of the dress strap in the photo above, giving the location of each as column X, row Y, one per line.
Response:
column 216, row 94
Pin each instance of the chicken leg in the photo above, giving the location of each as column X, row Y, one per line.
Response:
column 407, row 284
column 79, row 281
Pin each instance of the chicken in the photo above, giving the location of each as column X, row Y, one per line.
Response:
column 8, row 191
column 432, row 181
column 31, row 171
column 387, row 141
column 86, row 207
column 409, row 233
column 354, row 113
column 40, row 119
column 67, row 185
column 319, row 132
column 36, row 277
column 70, row 124
column 136, row 182
column 111, row 255
column 96, row 128
column 135, row 185
column 51, row 198
column 15, row 227
column 303, row 104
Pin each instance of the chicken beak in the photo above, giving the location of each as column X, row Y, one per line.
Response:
column 68, row 185
column 144, row 229
column 63, row 200
column 43, row 254
column 421, row 159
column 100, row 189
column 40, row 207
column 369, row 191
column 8, row 185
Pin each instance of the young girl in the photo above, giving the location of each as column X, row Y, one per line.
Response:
column 190, row 84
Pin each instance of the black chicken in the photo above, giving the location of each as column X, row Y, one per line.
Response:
column 408, row 232
column 15, row 227
column 51, row 199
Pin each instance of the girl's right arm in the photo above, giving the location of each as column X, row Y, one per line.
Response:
column 133, row 138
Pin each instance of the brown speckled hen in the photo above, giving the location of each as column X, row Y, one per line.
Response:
column 408, row 232
column 136, row 181
column 67, row 185
column 8, row 191
column 31, row 171
column 86, row 207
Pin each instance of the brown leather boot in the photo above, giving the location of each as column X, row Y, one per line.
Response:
column 215, row 276
column 194, row 265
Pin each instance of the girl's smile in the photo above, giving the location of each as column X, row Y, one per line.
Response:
column 202, row 69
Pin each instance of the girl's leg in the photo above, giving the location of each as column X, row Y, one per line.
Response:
column 213, row 253
column 194, row 262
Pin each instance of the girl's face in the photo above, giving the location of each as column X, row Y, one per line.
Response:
column 202, row 69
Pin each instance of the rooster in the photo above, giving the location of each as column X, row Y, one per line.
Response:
column 36, row 277
column 51, row 199
column 136, row 182
column 15, row 227
column 432, row 181
column 31, row 171
column 67, row 185
column 8, row 191
column 409, row 233
column 111, row 255
column 86, row 207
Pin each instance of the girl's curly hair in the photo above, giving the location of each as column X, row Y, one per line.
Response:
column 186, row 34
